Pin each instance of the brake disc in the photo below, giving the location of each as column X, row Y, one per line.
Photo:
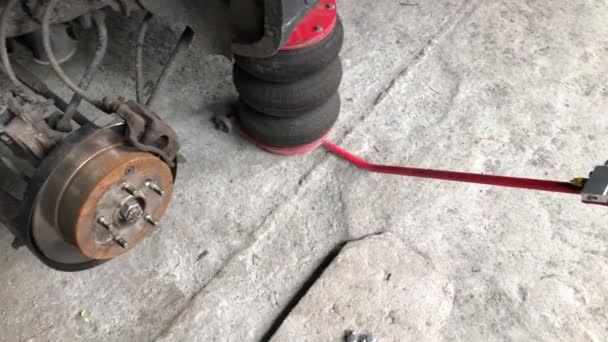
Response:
column 93, row 199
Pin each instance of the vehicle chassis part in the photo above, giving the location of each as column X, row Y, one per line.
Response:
column 93, row 198
column 94, row 193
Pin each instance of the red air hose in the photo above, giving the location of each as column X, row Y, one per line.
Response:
column 464, row 177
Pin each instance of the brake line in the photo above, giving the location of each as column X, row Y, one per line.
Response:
column 574, row 187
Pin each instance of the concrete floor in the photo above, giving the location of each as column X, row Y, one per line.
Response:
column 514, row 88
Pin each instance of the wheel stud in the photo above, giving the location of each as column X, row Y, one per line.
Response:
column 151, row 220
column 130, row 189
column 113, row 231
column 155, row 187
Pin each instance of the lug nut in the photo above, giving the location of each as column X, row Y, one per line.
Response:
column 131, row 211
column 319, row 28
column 155, row 187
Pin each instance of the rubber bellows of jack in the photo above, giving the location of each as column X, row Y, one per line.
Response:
column 293, row 131
column 291, row 99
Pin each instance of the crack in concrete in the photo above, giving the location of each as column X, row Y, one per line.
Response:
column 344, row 209
column 468, row 7
column 232, row 256
column 309, row 283
column 454, row 90
column 447, row 27
column 188, row 304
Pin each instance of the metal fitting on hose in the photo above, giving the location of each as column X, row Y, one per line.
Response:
column 595, row 190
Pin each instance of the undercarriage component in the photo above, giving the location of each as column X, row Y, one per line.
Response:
column 24, row 131
column 145, row 130
column 94, row 198
column 37, row 86
column 26, row 17
column 280, row 19
column 246, row 27
column 96, row 192
column 291, row 65
column 63, row 44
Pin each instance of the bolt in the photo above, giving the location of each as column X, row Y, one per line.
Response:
column 223, row 123
column 131, row 211
column 130, row 189
column 155, row 187
column 318, row 28
column 113, row 231
column 331, row 6
column 352, row 337
column 151, row 220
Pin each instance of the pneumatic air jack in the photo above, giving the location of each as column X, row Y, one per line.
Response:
column 289, row 102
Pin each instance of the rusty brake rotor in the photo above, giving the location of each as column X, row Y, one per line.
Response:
column 94, row 198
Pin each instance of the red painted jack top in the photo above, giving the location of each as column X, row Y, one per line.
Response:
column 314, row 27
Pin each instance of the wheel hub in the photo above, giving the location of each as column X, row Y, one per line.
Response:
column 98, row 197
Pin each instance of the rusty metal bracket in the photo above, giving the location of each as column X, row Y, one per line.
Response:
column 24, row 131
column 146, row 131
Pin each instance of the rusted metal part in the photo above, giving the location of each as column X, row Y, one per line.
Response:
column 79, row 186
column 99, row 216
column 26, row 133
column 145, row 129
column 40, row 88
column 26, row 18
column 11, row 156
